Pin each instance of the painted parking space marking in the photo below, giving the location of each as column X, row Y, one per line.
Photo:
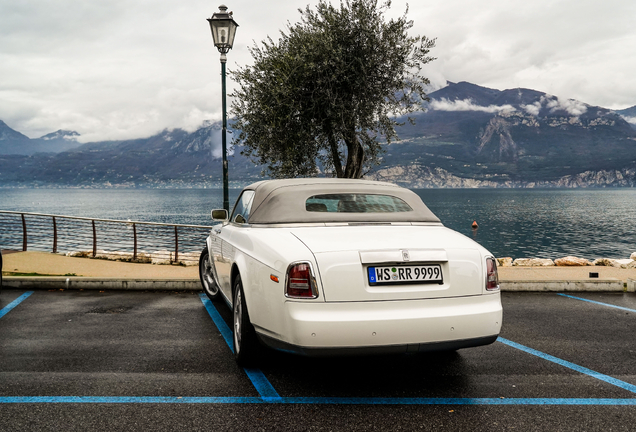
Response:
column 598, row 303
column 313, row 400
column 608, row 379
column 5, row 310
column 260, row 382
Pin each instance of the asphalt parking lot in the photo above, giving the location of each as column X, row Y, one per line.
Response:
column 87, row 360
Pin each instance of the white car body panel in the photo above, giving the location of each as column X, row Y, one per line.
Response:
column 342, row 325
column 339, row 253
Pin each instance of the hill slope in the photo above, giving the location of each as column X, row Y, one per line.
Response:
column 169, row 159
column 14, row 143
column 513, row 137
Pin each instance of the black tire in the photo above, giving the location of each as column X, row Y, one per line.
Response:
column 210, row 287
column 245, row 341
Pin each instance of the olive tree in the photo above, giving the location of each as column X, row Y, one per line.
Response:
column 329, row 90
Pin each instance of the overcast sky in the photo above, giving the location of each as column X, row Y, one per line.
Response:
column 120, row 69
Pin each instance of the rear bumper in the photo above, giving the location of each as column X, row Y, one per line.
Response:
column 389, row 326
column 375, row 350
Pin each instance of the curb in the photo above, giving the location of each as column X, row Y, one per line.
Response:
column 607, row 285
column 47, row 283
column 21, row 282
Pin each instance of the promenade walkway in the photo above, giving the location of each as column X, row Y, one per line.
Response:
column 48, row 264
column 64, row 271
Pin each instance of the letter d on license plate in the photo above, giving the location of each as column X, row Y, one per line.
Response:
column 405, row 274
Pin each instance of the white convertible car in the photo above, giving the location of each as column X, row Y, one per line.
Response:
column 338, row 266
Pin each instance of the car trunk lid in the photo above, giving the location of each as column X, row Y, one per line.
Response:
column 345, row 254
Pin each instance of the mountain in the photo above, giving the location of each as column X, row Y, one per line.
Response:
column 7, row 134
column 61, row 135
column 509, row 138
column 469, row 136
column 629, row 114
column 13, row 142
column 172, row 158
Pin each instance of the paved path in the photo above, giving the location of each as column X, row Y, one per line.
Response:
column 44, row 263
column 48, row 264
column 564, row 273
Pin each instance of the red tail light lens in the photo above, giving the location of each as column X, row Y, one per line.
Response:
column 300, row 281
column 492, row 278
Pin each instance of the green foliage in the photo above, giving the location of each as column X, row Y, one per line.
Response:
column 328, row 90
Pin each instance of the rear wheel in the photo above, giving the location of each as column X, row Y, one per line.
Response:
column 245, row 342
column 210, row 286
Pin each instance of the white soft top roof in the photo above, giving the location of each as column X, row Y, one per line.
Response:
column 283, row 201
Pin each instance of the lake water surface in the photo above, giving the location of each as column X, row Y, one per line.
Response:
column 588, row 223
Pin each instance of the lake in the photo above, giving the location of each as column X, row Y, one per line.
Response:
column 520, row 223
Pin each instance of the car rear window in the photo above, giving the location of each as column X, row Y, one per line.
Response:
column 356, row 203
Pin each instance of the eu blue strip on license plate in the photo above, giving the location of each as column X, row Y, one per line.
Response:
column 371, row 274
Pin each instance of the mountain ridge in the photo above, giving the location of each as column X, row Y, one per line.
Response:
column 13, row 142
column 469, row 136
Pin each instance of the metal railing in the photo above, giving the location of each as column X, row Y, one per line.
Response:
column 103, row 238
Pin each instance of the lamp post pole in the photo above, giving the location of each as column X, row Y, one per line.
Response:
column 223, row 29
column 226, row 187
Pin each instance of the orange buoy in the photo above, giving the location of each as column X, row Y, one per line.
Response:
column 475, row 226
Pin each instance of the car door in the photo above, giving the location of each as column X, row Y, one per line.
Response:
column 223, row 241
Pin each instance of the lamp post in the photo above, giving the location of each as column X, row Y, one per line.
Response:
column 223, row 29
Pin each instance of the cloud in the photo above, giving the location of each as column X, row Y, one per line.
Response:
column 532, row 109
column 127, row 69
column 467, row 105
column 574, row 49
column 216, row 141
column 571, row 106
column 631, row 120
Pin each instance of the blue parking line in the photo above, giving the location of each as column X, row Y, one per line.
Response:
column 5, row 310
column 129, row 400
column 259, row 380
column 598, row 303
column 220, row 324
column 312, row 400
column 459, row 401
column 567, row 364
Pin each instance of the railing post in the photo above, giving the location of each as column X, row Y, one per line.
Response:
column 135, row 242
column 94, row 239
column 176, row 245
column 24, row 234
column 54, row 235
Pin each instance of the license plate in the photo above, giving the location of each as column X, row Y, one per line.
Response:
column 405, row 274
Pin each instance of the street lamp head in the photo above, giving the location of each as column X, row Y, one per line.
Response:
column 223, row 29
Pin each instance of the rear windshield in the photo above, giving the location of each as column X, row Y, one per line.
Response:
column 356, row 203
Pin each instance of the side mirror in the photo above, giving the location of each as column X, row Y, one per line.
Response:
column 219, row 215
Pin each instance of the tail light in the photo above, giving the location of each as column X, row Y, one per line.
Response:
column 492, row 279
column 300, row 281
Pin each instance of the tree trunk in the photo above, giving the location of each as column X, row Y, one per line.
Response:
column 355, row 159
column 335, row 156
